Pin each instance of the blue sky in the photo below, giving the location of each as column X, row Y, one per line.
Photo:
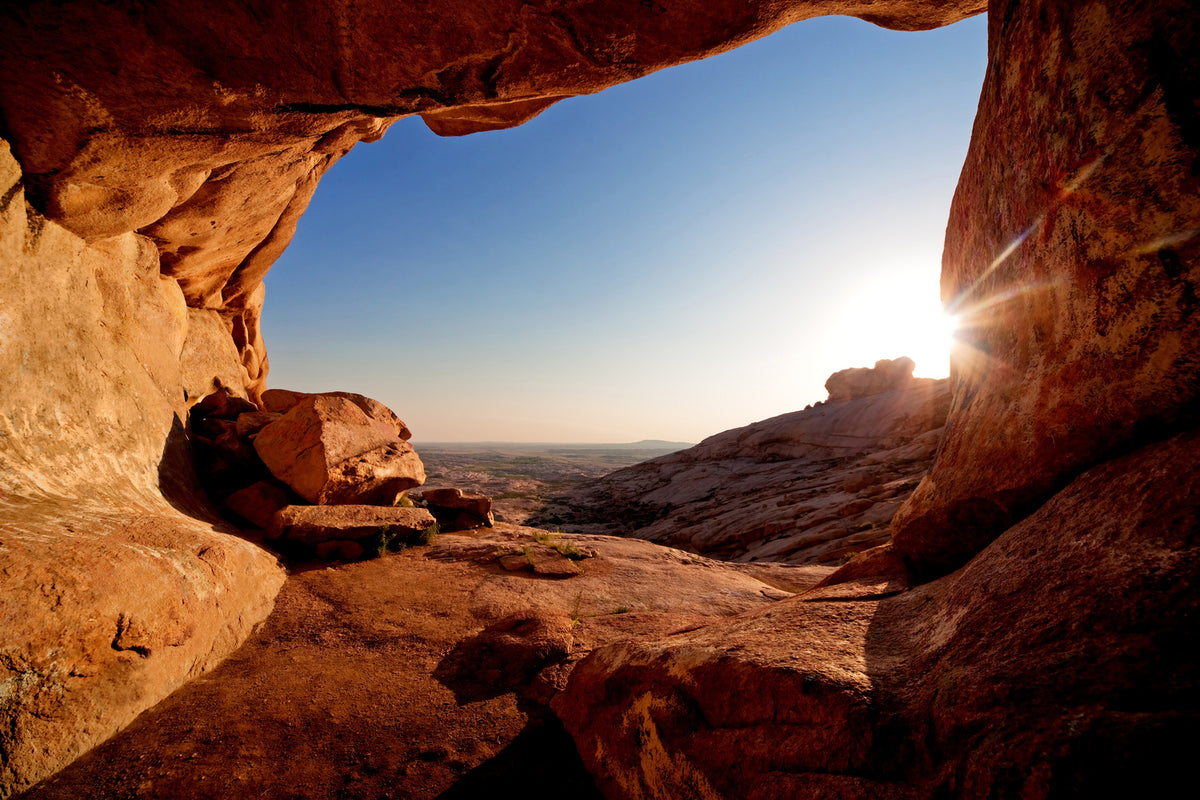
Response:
column 670, row 258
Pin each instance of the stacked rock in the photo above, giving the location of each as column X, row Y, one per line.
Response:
column 322, row 474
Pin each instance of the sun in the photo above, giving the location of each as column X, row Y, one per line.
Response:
column 894, row 316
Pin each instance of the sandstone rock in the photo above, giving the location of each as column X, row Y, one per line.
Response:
column 282, row 401
column 258, row 503
column 222, row 403
column 457, row 510
column 330, row 452
column 1008, row 678
column 813, row 486
column 107, row 611
column 210, row 360
column 315, row 524
column 369, row 668
column 888, row 375
column 250, row 423
column 1070, row 262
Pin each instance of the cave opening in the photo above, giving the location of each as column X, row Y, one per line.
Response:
column 669, row 258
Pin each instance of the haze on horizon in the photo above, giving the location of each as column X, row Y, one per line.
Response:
column 673, row 257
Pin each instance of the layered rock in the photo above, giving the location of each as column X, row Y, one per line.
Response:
column 184, row 141
column 812, row 486
column 1054, row 665
column 457, row 510
column 887, row 375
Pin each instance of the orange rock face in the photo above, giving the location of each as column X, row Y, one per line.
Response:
column 1073, row 256
column 1042, row 669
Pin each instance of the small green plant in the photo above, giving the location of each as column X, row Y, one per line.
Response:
column 576, row 613
column 430, row 534
column 404, row 501
column 566, row 549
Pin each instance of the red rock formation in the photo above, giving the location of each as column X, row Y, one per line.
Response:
column 1058, row 663
column 164, row 152
column 812, row 486
column 330, row 452
column 1073, row 255
column 887, row 375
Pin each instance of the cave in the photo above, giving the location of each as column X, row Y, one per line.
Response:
column 1028, row 632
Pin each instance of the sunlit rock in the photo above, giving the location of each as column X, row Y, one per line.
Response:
column 330, row 452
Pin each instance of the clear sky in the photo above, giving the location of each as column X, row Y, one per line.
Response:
column 670, row 258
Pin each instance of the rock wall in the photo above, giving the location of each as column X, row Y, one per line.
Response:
column 1073, row 255
column 112, row 596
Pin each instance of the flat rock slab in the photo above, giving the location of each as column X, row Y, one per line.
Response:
column 316, row 524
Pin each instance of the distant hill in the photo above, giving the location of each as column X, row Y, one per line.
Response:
column 808, row 487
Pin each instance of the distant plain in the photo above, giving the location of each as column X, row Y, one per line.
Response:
column 521, row 477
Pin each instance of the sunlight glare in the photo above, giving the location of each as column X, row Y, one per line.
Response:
column 900, row 315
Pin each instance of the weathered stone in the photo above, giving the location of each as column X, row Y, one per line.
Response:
column 111, row 596
column 808, row 487
column 1011, row 677
column 258, row 503
column 222, row 403
column 457, row 510
column 330, row 452
column 315, row 524
column 888, row 375
column 250, row 423
column 1073, row 262
column 283, row 400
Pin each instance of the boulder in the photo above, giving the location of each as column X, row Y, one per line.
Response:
column 258, row 503
column 457, row 510
column 251, row 422
column 316, row 524
column 281, row 401
column 888, row 375
column 330, row 452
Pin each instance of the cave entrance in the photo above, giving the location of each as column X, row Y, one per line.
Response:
column 672, row 257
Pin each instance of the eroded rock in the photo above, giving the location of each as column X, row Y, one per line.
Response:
column 1015, row 676
column 888, row 375
column 330, row 452
column 457, row 510
column 813, row 486
column 315, row 524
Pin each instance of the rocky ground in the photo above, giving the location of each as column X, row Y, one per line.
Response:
column 813, row 486
column 420, row 674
